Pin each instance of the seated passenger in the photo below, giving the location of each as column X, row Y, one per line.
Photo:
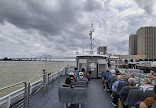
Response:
column 124, row 76
column 146, row 85
column 125, row 90
column 105, row 76
column 115, row 95
column 72, row 77
column 113, row 74
column 131, row 75
column 115, row 84
column 148, row 102
column 68, row 82
column 106, row 80
column 151, row 76
column 82, row 78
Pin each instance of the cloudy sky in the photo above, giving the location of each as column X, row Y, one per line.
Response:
column 30, row 28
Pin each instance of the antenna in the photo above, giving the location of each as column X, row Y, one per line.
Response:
column 91, row 39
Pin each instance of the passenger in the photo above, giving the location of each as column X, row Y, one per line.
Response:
column 113, row 74
column 115, row 95
column 148, row 102
column 105, row 80
column 122, row 73
column 146, row 85
column 115, row 84
column 125, row 90
column 131, row 75
column 82, row 78
column 151, row 76
column 72, row 77
column 106, row 74
column 125, row 78
column 68, row 81
column 76, row 72
column 83, row 70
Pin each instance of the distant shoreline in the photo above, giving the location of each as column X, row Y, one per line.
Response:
column 42, row 60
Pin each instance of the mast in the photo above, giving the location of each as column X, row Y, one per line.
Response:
column 91, row 39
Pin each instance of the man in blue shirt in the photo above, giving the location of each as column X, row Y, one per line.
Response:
column 113, row 74
column 82, row 78
column 106, row 74
column 114, row 90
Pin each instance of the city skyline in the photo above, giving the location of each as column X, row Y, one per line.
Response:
column 29, row 28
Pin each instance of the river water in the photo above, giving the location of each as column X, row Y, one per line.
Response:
column 12, row 72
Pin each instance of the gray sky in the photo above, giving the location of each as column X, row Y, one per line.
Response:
column 30, row 28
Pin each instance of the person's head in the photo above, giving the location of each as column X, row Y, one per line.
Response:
column 147, row 81
column 131, row 75
column 113, row 71
column 75, row 68
column 152, row 72
column 119, row 77
column 107, row 71
column 154, row 92
column 71, row 74
column 68, row 81
column 81, row 74
column 131, row 82
column 83, row 70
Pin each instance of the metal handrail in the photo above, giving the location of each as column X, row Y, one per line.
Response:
column 27, row 87
column 35, row 77
column 25, row 93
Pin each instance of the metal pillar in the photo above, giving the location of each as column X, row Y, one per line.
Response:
column 26, row 99
column 45, row 80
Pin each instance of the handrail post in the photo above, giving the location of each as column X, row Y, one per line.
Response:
column 45, row 80
column 8, row 102
column 28, row 92
column 58, row 76
column 26, row 100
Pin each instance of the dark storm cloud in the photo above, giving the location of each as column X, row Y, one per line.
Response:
column 51, row 22
column 29, row 14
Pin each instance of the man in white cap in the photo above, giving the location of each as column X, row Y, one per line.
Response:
column 82, row 78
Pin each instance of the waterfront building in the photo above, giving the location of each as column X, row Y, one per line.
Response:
column 146, row 42
column 143, row 43
column 102, row 50
column 133, row 44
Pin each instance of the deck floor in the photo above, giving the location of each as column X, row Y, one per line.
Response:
column 97, row 97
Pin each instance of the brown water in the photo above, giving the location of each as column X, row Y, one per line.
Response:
column 12, row 72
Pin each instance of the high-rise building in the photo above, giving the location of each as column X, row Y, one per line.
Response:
column 102, row 50
column 133, row 44
column 143, row 43
column 146, row 42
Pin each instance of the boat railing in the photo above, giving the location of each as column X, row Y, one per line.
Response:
column 24, row 94
column 6, row 101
